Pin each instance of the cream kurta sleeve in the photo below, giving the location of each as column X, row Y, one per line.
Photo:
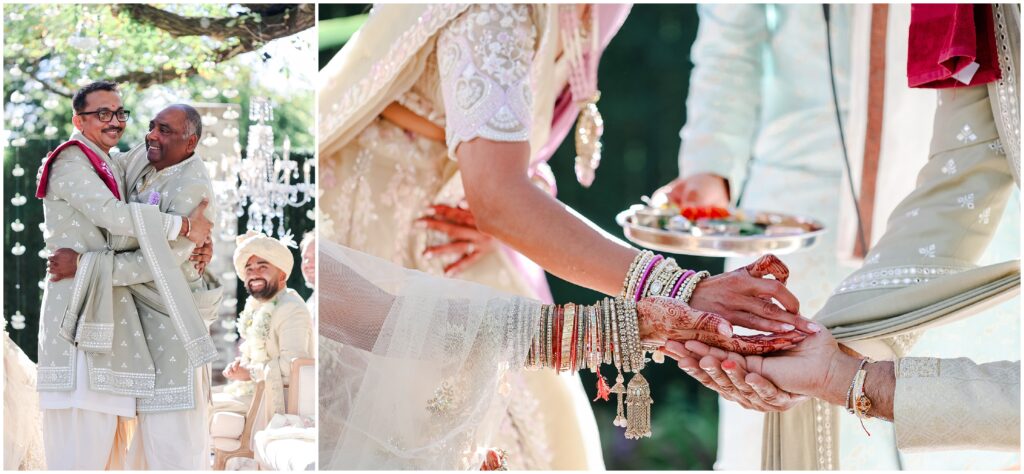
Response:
column 725, row 91
column 957, row 404
column 74, row 180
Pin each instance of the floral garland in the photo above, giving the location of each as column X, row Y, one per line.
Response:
column 254, row 326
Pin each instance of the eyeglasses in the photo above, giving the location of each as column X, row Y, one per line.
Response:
column 105, row 115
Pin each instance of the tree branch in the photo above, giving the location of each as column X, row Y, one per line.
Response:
column 284, row 22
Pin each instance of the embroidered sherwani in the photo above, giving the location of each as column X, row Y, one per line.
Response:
column 80, row 212
column 172, row 422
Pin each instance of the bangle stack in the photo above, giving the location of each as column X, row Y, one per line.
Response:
column 571, row 337
column 654, row 275
column 574, row 337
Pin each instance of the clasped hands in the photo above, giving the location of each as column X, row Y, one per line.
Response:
column 700, row 337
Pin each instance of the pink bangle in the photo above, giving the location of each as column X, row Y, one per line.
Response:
column 647, row 273
column 679, row 284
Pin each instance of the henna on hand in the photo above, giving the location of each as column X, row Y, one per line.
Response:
column 661, row 319
column 467, row 241
column 769, row 264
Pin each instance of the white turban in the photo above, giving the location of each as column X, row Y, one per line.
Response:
column 267, row 248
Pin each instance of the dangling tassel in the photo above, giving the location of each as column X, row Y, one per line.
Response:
column 589, row 129
column 618, row 389
column 603, row 390
column 638, row 404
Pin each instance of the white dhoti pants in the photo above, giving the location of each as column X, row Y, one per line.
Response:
column 78, row 439
column 80, row 427
column 176, row 440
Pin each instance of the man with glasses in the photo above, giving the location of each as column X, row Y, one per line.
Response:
column 94, row 360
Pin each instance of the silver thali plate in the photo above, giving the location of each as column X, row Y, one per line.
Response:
column 720, row 245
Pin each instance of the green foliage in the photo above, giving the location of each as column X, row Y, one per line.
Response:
column 50, row 50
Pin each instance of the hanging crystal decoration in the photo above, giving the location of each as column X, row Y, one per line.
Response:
column 265, row 185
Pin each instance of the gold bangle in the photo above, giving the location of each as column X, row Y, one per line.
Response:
column 569, row 322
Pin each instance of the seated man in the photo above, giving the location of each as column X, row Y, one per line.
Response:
column 276, row 327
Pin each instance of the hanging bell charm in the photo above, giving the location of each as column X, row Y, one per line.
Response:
column 589, row 129
column 619, row 389
column 638, row 408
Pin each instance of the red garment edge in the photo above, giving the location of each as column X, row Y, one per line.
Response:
column 944, row 39
column 101, row 167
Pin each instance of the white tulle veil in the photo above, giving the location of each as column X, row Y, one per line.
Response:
column 412, row 366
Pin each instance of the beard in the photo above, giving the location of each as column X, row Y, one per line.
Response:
column 263, row 294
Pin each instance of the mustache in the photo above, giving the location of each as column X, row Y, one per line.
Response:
column 113, row 129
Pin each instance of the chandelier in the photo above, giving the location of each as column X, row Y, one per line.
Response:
column 267, row 182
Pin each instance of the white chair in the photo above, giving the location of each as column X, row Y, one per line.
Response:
column 290, row 448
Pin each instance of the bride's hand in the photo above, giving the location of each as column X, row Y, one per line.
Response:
column 744, row 298
column 662, row 319
column 467, row 241
column 727, row 373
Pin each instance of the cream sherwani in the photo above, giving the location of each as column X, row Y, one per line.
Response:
column 290, row 338
column 82, row 393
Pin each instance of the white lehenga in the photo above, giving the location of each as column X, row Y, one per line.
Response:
column 23, row 435
column 416, row 369
column 377, row 179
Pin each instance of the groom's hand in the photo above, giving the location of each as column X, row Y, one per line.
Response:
column 746, row 298
column 61, row 264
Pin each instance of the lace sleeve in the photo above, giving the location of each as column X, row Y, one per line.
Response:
column 484, row 58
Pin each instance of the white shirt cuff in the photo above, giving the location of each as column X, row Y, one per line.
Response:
column 172, row 233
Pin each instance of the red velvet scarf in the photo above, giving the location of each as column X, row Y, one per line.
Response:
column 102, row 169
column 947, row 39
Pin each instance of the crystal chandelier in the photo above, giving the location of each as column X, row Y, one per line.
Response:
column 265, row 179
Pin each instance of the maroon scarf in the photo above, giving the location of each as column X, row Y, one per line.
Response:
column 101, row 167
column 946, row 39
